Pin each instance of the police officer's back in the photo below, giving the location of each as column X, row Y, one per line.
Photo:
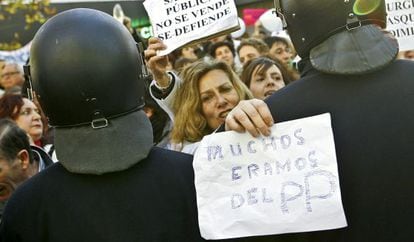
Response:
column 110, row 184
column 348, row 69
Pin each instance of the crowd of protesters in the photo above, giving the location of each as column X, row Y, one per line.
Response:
column 265, row 63
column 180, row 110
column 189, row 94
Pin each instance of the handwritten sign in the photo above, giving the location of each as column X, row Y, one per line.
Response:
column 400, row 22
column 287, row 182
column 180, row 22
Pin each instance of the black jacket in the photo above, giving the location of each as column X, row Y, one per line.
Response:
column 373, row 125
column 152, row 201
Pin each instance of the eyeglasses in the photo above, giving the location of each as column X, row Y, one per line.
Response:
column 4, row 75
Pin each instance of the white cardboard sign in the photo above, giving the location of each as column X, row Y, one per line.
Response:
column 179, row 22
column 400, row 22
column 287, row 182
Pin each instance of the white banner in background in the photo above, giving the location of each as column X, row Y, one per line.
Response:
column 19, row 56
column 287, row 182
column 179, row 22
column 400, row 22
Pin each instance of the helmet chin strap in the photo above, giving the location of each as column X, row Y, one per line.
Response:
column 28, row 78
column 144, row 70
column 280, row 14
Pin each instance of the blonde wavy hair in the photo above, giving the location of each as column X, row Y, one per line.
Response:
column 189, row 121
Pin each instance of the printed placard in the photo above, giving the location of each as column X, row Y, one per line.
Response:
column 287, row 182
column 181, row 22
column 400, row 22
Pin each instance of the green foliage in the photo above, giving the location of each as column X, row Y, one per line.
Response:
column 34, row 11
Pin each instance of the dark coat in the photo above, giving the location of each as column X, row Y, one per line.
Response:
column 373, row 125
column 152, row 201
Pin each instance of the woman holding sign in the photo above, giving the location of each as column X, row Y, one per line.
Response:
column 208, row 93
column 200, row 102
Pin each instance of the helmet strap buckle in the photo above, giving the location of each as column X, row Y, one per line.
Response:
column 353, row 23
column 99, row 123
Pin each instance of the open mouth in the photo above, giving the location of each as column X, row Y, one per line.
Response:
column 224, row 114
column 268, row 93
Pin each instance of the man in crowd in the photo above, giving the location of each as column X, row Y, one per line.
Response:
column 349, row 70
column 250, row 49
column 110, row 183
column 279, row 49
column 16, row 160
column 407, row 55
column 11, row 77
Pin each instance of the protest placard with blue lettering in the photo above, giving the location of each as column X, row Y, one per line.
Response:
column 286, row 182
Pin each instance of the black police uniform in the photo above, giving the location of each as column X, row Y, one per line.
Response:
column 372, row 121
column 152, row 201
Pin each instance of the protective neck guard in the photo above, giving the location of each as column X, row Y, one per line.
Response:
column 357, row 51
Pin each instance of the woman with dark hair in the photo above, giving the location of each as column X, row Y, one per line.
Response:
column 25, row 113
column 16, row 159
column 28, row 117
column 224, row 51
column 264, row 76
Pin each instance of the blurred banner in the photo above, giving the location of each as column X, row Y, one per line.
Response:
column 251, row 15
column 20, row 56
